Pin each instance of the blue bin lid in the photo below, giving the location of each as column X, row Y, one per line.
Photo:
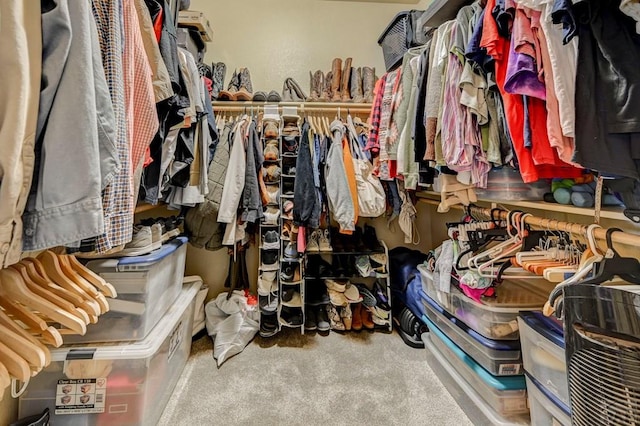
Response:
column 547, row 327
column 499, row 383
column 549, row 395
column 146, row 261
column 496, row 345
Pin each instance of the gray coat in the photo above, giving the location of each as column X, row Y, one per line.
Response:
column 201, row 222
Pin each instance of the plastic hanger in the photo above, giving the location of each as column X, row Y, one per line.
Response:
column 613, row 265
column 14, row 287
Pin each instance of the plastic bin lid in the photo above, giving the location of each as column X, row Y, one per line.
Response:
column 140, row 262
column 499, row 383
column 134, row 350
column 545, row 326
column 551, row 397
column 497, row 345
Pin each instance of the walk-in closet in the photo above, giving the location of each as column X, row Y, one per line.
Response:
column 309, row 212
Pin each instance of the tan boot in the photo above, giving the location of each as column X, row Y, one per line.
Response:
column 320, row 85
column 346, row 78
column 356, row 85
column 336, row 79
column 326, row 92
column 313, row 88
column 356, row 321
column 368, row 83
column 367, row 319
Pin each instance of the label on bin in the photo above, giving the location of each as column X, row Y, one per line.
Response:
column 81, row 396
column 176, row 338
column 509, row 369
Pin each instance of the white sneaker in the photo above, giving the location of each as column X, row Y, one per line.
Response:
column 324, row 241
column 156, row 236
column 141, row 243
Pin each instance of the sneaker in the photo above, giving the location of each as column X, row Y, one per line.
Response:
column 291, row 273
column 347, row 317
column 322, row 320
column 291, row 317
column 274, row 96
column 268, row 324
column 379, row 262
column 324, row 242
column 363, row 266
column 271, row 216
column 271, row 240
column 334, row 285
column 270, row 260
column 310, row 320
column 335, row 323
column 312, row 242
column 291, row 250
column 141, row 243
column 156, row 236
column 368, row 299
column 171, row 228
column 268, row 303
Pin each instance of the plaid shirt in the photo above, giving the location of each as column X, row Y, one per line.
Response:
column 373, row 142
column 117, row 198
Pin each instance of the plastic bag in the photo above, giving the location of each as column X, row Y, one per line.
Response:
column 232, row 324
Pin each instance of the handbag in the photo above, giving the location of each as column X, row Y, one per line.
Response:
column 372, row 201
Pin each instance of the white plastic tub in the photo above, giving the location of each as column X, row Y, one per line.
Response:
column 544, row 354
column 122, row 384
column 544, row 410
column 443, row 299
column 146, row 286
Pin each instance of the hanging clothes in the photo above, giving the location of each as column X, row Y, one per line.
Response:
column 338, row 190
column 306, row 205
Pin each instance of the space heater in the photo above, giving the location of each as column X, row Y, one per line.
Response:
column 602, row 335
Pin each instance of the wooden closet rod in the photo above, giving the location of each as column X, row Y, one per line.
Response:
column 624, row 237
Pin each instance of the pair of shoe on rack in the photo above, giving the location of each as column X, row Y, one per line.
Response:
column 342, row 292
column 240, row 87
column 362, row 239
column 316, row 318
column 319, row 242
column 292, row 92
column 351, row 317
column 348, row 84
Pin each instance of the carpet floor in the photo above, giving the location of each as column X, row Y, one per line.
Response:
column 293, row 379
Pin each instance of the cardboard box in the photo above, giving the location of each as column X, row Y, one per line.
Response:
column 193, row 18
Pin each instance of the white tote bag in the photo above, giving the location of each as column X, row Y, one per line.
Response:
column 372, row 201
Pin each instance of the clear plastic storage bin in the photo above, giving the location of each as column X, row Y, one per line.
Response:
column 497, row 318
column 506, row 184
column 507, row 395
column 146, row 286
column 443, row 299
column 122, row 384
column 544, row 354
column 498, row 357
column 544, row 409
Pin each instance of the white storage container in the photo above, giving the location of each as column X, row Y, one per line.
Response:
column 440, row 363
column 544, row 410
column 146, row 286
column 507, row 395
column 124, row 384
column 544, row 354
column 443, row 299
column 498, row 357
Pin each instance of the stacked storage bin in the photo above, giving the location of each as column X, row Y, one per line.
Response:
column 124, row 369
column 478, row 344
column 546, row 369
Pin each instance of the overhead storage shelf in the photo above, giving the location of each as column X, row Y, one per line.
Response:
column 440, row 11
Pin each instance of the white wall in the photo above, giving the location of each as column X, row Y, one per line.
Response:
column 276, row 39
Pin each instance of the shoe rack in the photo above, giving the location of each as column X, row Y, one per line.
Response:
column 269, row 317
column 340, row 264
column 291, row 306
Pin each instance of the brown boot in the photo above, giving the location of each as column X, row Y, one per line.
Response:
column 336, row 79
column 320, row 85
column 356, row 85
column 368, row 83
column 313, row 88
column 356, row 321
column 367, row 319
column 346, row 78
column 326, row 92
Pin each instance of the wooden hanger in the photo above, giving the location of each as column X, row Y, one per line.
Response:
column 84, row 284
column 48, row 293
column 12, row 285
column 30, row 352
column 49, row 267
column 95, row 279
column 16, row 365
column 9, row 323
column 5, row 379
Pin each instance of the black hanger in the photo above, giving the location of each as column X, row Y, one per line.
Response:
column 627, row 268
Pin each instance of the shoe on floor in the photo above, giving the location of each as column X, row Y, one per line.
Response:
column 357, row 317
column 268, row 324
column 322, row 320
column 310, row 320
column 367, row 320
column 334, row 318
